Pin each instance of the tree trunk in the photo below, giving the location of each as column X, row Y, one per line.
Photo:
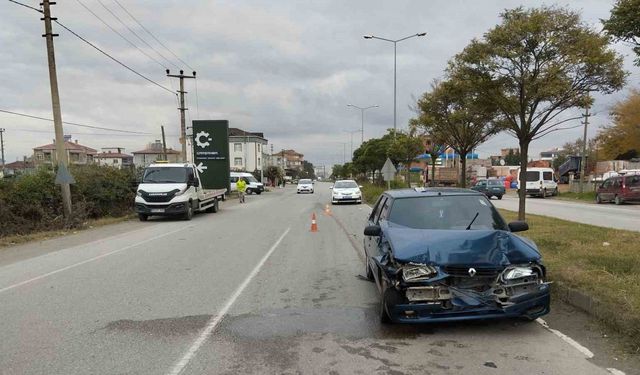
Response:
column 522, row 181
column 463, row 172
column 433, row 171
column 408, row 174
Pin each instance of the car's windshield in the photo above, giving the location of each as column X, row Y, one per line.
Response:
column 345, row 185
column 251, row 179
column 165, row 175
column 533, row 175
column 446, row 212
column 304, row 182
column 494, row 182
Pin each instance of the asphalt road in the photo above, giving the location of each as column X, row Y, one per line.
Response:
column 625, row 216
column 247, row 290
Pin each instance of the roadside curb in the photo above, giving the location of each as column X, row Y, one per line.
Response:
column 597, row 309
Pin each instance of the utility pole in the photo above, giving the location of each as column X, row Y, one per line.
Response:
column 2, row 147
column 164, row 144
column 61, row 155
column 583, row 160
column 183, row 132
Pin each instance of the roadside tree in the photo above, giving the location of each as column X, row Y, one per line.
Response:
column 534, row 66
column 624, row 24
column 404, row 148
column 622, row 139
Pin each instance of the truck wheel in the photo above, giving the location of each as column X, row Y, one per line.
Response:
column 617, row 200
column 258, row 192
column 544, row 193
column 499, row 197
column 248, row 192
column 189, row 212
column 215, row 206
column 143, row 217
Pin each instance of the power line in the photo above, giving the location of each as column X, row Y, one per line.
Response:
column 97, row 48
column 92, row 134
column 151, row 34
column 113, row 58
column 120, row 35
column 74, row 123
column 136, row 34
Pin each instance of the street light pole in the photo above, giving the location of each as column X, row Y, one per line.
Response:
column 362, row 109
column 395, row 92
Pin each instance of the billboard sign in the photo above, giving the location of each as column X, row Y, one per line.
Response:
column 211, row 152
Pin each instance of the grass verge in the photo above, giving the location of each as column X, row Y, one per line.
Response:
column 46, row 235
column 598, row 262
column 370, row 193
column 589, row 196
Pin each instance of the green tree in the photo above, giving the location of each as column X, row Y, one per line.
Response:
column 307, row 170
column 512, row 158
column 624, row 24
column 372, row 154
column 274, row 174
column 622, row 139
column 534, row 66
column 454, row 113
column 404, row 148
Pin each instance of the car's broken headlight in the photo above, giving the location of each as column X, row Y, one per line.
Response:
column 517, row 273
column 413, row 272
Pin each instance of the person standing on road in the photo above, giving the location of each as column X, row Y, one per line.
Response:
column 242, row 188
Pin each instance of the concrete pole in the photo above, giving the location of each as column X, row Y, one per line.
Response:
column 164, row 145
column 183, row 127
column 2, row 147
column 61, row 154
column 395, row 91
column 583, row 160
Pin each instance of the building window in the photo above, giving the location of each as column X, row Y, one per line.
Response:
column 258, row 147
column 47, row 156
column 115, row 161
column 237, row 147
column 40, row 156
column 259, row 163
column 237, row 161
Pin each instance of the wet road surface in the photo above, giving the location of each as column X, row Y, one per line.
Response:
column 247, row 290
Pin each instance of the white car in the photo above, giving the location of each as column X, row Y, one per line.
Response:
column 540, row 182
column 346, row 191
column 305, row 186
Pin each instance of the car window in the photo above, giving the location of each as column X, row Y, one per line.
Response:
column 376, row 211
column 233, row 179
column 345, row 185
column 304, row 182
column 533, row 176
column 446, row 212
column 616, row 182
column 494, row 183
column 164, row 175
column 633, row 181
column 384, row 214
column 481, row 183
column 607, row 183
column 547, row 176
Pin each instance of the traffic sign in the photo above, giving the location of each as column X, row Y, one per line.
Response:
column 211, row 152
column 388, row 170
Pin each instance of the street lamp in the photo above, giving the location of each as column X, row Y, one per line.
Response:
column 351, row 133
column 362, row 109
column 395, row 42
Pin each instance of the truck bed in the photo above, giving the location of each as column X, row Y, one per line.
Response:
column 209, row 194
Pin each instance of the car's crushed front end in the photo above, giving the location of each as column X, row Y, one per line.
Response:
column 473, row 275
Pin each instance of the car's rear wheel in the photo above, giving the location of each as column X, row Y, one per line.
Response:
column 258, row 192
column 544, row 193
column 617, row 200
column 499, row 197
column 598, row 199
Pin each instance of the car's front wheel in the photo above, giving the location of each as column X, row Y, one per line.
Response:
column 499, row 197
column 143, row 217
column 188, row 214
column 384, row 314
column 598, row 199
column 617, row 200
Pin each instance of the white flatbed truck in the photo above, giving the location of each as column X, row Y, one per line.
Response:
column 174, row 189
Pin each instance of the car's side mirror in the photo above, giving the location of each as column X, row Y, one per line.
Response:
column 360, row 186
column 373, row 230
column 518, row 226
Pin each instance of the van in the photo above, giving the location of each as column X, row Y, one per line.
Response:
column 253, row 185
column 620, row 189
column 541, row 182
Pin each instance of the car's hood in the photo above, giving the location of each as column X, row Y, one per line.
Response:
column 161, row 187
column 347, row 190
column 459, row 247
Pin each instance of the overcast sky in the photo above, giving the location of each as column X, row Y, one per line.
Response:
column 285, row 68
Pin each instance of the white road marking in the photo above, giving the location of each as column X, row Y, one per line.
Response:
column 89, row 260
column 587, row 353
column 216, row 319
column 615, row 371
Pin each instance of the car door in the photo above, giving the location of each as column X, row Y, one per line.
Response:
column 605, row 190
column 548, row 182
column 633, row 187
column 370, row 243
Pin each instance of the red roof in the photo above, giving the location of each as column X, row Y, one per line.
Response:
column 112, row 155
column 19, row 165
column 68, row 146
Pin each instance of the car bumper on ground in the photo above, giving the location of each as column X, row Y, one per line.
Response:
column 305, row 190
column 530, row 306
column 354, row 199
column 169, row 209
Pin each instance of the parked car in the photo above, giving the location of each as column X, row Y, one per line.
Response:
column 345, row 191
column 620, row 189
column 305, row 186
column 540, row 182
column 490, row 188
column 443, row 254
column 253, row 185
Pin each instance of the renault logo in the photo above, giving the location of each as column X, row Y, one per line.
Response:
column 472, row 272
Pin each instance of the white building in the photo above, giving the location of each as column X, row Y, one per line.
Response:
column 246, row 150
column 114, row 157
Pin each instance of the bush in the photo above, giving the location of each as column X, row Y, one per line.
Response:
column 33, row 202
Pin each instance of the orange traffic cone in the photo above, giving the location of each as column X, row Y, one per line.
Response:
column 314, row 225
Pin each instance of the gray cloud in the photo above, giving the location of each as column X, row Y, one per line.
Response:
column 285, row 68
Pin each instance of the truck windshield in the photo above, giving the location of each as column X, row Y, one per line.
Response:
column 155, row 175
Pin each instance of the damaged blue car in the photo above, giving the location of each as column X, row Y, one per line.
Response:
column 443, row 254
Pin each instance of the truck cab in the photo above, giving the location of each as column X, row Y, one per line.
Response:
column 174, row 189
